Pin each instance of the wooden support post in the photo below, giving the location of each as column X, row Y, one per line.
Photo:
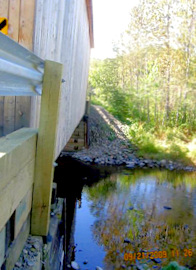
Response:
column 46, row 147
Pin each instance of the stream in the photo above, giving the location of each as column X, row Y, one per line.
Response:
column 130, row 219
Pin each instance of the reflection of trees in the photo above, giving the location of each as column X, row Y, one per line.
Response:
column 109, row 232
column 99, row 193
column 148, row 225
column 173, row 177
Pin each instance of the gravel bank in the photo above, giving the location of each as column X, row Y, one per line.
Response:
column 109, row 145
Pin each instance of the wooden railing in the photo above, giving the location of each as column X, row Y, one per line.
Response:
column 27, row 155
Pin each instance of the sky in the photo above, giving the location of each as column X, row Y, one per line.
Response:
column 110, row 19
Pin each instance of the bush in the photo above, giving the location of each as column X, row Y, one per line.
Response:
column 177, row 152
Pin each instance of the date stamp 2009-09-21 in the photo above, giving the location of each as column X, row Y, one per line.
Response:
column 157, row 254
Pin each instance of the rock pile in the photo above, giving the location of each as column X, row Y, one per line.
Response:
column 31, row 254
column 109, row 145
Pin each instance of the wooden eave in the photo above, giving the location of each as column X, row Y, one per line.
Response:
column 89, row 6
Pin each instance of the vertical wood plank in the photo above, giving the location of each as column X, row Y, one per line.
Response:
column 75, row 54
column 22, row 112
column 46, row 148
column 14, row 16
column 44, row 44
column 38, row 26
column 9, row 102
column 38, row 33
column 52, row 30
column 60, row 26
column 66, row 41
column 4, row 4
column 27, row 12
column 9, row 115
column 25, row 38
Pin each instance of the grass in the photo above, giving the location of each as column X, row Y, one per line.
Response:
column 158, row 144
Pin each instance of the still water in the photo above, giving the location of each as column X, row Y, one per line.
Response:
column 134, row 220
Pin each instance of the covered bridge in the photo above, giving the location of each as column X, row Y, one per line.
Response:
column 37, row 120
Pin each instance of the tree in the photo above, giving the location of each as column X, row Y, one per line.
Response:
column 153, row 73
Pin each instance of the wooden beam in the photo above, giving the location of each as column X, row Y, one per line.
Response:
column 2, row 246
column 17, row 246
column 46, row 148
column 16, row 151
column 16, row 190
column 22, row 212
column 17, row 164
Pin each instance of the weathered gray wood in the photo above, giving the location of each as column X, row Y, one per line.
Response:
column 68, row 42
column 77, row 50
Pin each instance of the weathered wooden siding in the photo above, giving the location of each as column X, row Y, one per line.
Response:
column 66, row 41
column 76, row 59
column 55, row 30
column 15, row 111
column 61, row 33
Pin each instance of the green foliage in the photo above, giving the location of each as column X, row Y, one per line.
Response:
column 174, row 266
column 150, row 84
column 160, row 143
column 177, row 152
column 112, row 137
column 102, row 189
column 143, row 138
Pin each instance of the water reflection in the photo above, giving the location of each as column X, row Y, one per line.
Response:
column 137, row 211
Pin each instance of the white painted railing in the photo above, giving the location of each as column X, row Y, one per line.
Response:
column 21, row 71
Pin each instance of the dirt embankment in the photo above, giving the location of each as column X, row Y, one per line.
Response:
column 109, row 145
